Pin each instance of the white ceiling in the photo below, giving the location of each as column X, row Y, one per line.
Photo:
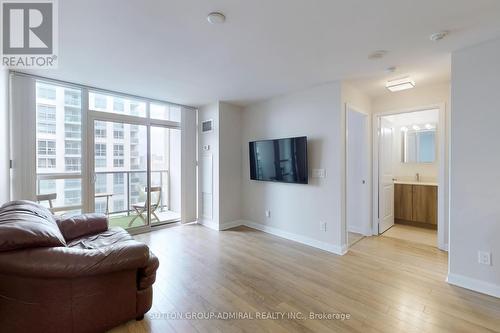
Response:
column 165, row 49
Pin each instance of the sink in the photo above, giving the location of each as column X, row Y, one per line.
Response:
column 414, row 182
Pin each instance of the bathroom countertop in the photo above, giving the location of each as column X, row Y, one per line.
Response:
column 414, row 182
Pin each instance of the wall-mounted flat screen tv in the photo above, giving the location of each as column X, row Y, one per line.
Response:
column 281, row 160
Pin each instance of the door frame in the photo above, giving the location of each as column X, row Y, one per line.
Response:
column 443, row 183
column 347, row 108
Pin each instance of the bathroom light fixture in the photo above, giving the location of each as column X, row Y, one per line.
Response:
column 429, row 126
column 216, row 18
column 416, row 127
column 400, row 84
column 404, row 129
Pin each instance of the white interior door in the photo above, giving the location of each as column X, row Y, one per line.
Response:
column 386, row 176
column 358, row 204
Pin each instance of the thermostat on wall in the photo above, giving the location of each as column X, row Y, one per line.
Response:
column 207, row 126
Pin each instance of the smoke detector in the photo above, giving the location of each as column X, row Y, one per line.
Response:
column 390, row 70
column 377, row 54
column 216, row 18
column 435, row 37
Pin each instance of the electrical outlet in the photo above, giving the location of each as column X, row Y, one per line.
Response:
column 484, row 258
column 268, row 213
column 322, row 226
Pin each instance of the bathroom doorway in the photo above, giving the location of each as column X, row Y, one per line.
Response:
column 409, row 175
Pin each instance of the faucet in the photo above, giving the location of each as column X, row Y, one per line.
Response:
column 417, row 176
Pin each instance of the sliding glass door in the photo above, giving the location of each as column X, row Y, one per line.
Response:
column 135, row 176
column 120, row 172
column 165, row 175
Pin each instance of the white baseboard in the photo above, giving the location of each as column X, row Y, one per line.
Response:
column 231, row 224
column 474, row 284
column 339, row 250
column 209, row 224
column 223, row 226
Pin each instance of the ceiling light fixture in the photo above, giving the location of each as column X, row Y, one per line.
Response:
column 429, row 126
column 435, row 37
column 416, row 127
column 400, row 84
column 216, row 18
column 404, row 129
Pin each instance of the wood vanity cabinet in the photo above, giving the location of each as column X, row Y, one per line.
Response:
column 415, row 204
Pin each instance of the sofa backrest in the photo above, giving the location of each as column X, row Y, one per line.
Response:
column 25, row 224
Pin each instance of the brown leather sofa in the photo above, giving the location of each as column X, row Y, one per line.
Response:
column 69, row 275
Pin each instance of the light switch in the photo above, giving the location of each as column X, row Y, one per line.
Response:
column 318, row 173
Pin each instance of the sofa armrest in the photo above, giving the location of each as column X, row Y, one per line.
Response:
column 81, row 225
column 146, row 276
column 64, row 262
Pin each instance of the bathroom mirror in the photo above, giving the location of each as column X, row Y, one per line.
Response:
column 418, row 145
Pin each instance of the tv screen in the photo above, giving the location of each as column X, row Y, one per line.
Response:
column 282, row 160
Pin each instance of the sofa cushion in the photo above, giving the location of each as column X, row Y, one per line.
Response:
column 80, row 225
column 25, row 224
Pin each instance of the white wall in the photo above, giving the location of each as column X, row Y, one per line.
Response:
column 475, row 162
column 220, row 166
column 229, row 164
column 297, row 210
column 209, row 167
column 4, row 138
column 420, row 96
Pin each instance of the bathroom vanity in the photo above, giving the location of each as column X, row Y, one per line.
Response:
column 415, row 203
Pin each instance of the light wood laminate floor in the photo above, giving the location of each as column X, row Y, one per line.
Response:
column 385, row 284
column 412, row 234
column 353, row 238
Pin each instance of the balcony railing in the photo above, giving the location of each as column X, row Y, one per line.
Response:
column 134, row 185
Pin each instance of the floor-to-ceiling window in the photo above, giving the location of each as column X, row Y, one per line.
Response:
column 109, row 153
column 59, row 146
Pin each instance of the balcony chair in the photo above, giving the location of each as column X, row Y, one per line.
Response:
column 50, row 197
column 141, row 207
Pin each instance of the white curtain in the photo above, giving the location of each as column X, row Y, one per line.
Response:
column 23, row 137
